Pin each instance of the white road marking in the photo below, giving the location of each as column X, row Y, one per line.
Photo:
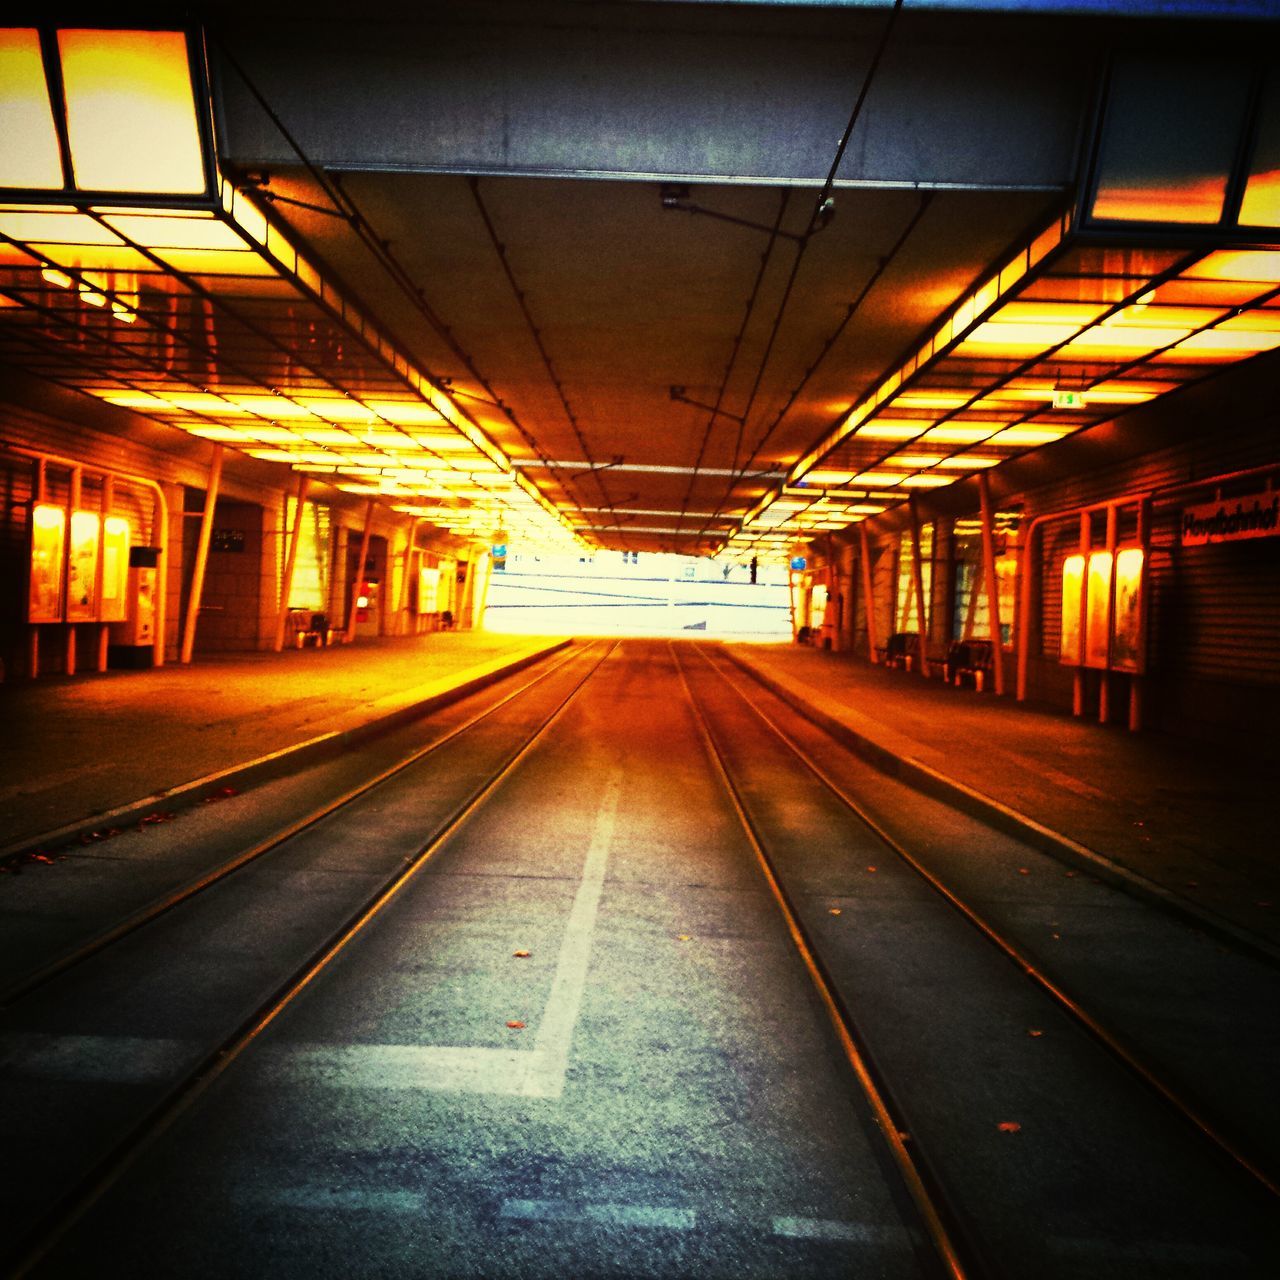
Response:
column 660, row 1217
column 834, row 1229
column 560, row 1016
column 537, row 1073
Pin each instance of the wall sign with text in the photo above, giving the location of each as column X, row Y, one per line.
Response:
column 1234, row 520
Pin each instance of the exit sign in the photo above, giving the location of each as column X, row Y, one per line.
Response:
column 1068, row 400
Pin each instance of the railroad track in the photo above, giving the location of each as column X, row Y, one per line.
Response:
column 763, row 749
column 216, row 1041
column 539, row 996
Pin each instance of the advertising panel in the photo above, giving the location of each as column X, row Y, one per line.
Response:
column 428, row 589
column 1072, row 578
column 1126, row 640
column 48, row 543
column 115, row 569
column 1097, row 625
column 82, row 567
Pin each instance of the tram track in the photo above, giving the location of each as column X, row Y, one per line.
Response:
column 1184, row 1106
column 141, row 1128
column 32, row 981
column 919, row 1145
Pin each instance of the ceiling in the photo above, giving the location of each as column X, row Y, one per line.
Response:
column 595, row 244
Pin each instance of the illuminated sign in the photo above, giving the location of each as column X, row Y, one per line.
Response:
column 1232, row 521
column 82, row 566
column 48, row 543
column 1068, row 400
column 115, row 569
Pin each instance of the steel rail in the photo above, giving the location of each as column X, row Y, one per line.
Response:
column 187, row 1091
column 1186, row 1109
column 183, row 893
column 921, row 1183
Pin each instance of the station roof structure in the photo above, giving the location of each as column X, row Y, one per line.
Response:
column 673, row 277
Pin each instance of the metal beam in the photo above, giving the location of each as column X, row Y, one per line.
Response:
column 202, row 555
column 295, row 537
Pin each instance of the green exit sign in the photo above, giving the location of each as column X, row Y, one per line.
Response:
column 1068, row 400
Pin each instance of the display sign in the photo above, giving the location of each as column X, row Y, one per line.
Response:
column 82, row 566
column 48, row 544
column 1126, row 634
column 115, row 569
column 1072, row 580
column 799, row 563
column 428, row 589
column 1097, row 616
column 1068, row 399
column 1232, row 521
column 1111, row 625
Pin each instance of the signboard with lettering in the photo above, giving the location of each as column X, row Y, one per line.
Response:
column 1232, row 520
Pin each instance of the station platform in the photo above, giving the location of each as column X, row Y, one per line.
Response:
column 1189, row 824
column 75, row 748
column 1192, row 825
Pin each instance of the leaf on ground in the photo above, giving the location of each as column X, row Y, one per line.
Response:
column 871, row 868
column 684, row 937
column 1008, row 1126
column 1024, row 871
column 516, row 1025
column 835, row 911
column 521, row 955
column 1034, row 1034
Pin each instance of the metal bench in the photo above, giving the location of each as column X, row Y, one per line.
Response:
column 970, row 663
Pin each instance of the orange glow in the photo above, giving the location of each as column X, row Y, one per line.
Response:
column 880, row 430
column 929, row 480
column 1189, row 202
column 131, row 112
column 828, row 478
column 1023, row 436
column 177, row 233
column 962, row 432
column 1261, row 204
column 28, row 142
column 1261, row 265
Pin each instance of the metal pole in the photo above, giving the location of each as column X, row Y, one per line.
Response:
column 1082, row 640
column 295, row 537
column 1138, row 679
column 359, row 578
column 33, row 630
column 108, row 501
column 868, row 595
column 408, row 565
column 989, row 572
column 482, row 597
column 202, row 556
column 73, row 501
column 465, row 605
column 917, row 583
column 1104, row 689
column 1026, row 570
column 160, row 535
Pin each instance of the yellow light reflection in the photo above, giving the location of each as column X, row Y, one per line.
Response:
column 131, row 112
column 1260, row 265
column 177, row 233
column 826, row 478
column 28, row 141
column 1261, row 204
column 1021, row 436
column 1191, row 201
column 928, row 480
column 962, row 432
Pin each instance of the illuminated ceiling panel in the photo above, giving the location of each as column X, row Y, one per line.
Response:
column 1062, row 338
column 202, row 314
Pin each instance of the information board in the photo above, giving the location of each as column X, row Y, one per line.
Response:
column 48, row 546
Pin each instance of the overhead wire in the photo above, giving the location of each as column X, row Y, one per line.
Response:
column 817, row 220
column 748, row 312
column 346, row 207
column 535, row 332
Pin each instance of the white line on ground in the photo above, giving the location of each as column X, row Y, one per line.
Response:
column 661, row 1217
column 555, row 1030
column 833, row 1229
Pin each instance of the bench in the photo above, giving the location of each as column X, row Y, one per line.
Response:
column 310, row 628
column 903, row 650
column 970, row 663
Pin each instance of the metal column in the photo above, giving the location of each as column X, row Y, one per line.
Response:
column 202, row 555
column 295, row 537
column 917, row 583
column 989, row 573
column 868, row 594
column 350, row 633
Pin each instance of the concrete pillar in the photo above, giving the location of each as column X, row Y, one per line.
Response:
column 868, row 593
column 989, row 573
column 202, row 555
column 286, row 586
column 359, row 575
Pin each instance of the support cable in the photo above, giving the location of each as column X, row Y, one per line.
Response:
column 345, row 207
column 522, row 302
column 747, row 314
column 818, row 218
